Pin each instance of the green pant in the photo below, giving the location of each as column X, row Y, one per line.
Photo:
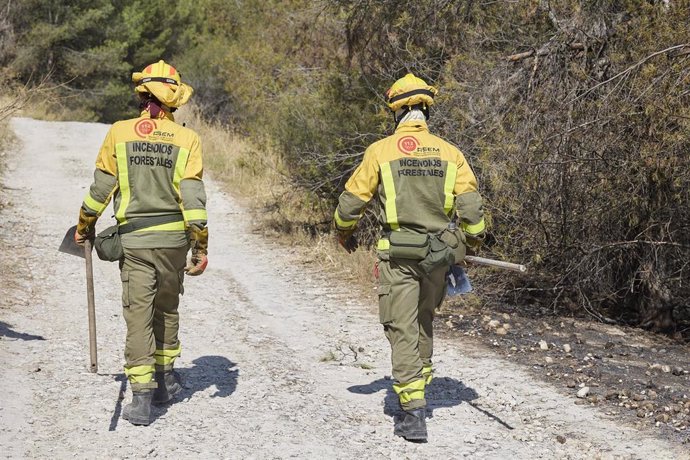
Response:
column 151, row 285
column 407, row 300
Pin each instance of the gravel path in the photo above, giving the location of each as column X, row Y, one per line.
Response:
column 278, row 361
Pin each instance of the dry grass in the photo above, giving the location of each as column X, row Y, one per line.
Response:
column 55, row 110
column 7, row 139
column 235, row 161
column 322, row 252
column 8, row 264
column 254, row 173
column 8, row 107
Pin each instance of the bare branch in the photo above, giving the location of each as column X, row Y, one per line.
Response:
column 543, row 51
column 630, row 69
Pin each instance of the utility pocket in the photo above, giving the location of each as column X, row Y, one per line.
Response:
column 124, row 277
column 408, row 245
column 108, row 245
column 440, row 255
column 385, row 307
column 455, row 239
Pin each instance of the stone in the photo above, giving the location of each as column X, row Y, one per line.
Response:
column 583, row 392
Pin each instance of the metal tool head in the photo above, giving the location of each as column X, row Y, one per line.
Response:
column 457, row 281
column 69, row 246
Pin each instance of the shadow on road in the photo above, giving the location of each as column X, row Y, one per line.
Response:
column 207, row 371
column 118, row 402
column 442, row 392
column 6, row 331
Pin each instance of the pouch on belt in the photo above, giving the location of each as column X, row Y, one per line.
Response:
column 408, row 245
column 108, row 244
column 445, row 249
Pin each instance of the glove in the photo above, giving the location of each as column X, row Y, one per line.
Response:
column 347, row 240
column 474, row 242
column 81, row 239
column 86, row 227
column 197, row 264
column 199, row 243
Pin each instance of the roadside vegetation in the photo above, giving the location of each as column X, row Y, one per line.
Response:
column 574, row 115
column 255, row 173
column 8, row 107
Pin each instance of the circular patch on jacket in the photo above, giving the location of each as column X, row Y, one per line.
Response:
column 407, row 144
column 144, row 127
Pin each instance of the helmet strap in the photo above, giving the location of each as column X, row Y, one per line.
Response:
column 407, row 109
column 425, row 111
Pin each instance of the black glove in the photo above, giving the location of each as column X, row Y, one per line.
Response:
column 347, row 240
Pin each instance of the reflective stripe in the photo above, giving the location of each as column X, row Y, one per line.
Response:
column 180, row 166
column 474, row 229
column 171, row 227
column 449, row 185
column 410, row 391
column 383, row 245
column 343, row 224
column 167, row 357
column 123, row 181
column 195, row 214
column 140, row 374
column 93, row 204
column 428, row 374
column 389, row 189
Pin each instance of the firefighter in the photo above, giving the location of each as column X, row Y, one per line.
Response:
column 152, row 169
column 423, row 185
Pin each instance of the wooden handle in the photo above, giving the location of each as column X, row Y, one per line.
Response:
column 496, row 263
column 91, row 302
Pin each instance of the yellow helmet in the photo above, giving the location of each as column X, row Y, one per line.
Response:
column 410, row 91
column 163, row 82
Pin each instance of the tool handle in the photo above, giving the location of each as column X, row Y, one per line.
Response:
column 496, row 263
column 91, row 302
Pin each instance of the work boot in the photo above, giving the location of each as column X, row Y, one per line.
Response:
column 168, row 386
column 138, row 412
column 411, row 425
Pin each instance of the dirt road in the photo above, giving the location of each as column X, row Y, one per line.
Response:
column 277, row 361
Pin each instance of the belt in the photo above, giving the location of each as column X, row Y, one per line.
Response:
column 144, row 222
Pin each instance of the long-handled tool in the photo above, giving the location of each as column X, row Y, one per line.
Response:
column 457, row 281
column 496, row 263
column 69, row 246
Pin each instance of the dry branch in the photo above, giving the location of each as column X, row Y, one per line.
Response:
column 24, row 94
column 630, row 69
column 543, row 51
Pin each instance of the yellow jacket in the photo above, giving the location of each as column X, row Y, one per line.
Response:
column 150, row 167
column 420, row 180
